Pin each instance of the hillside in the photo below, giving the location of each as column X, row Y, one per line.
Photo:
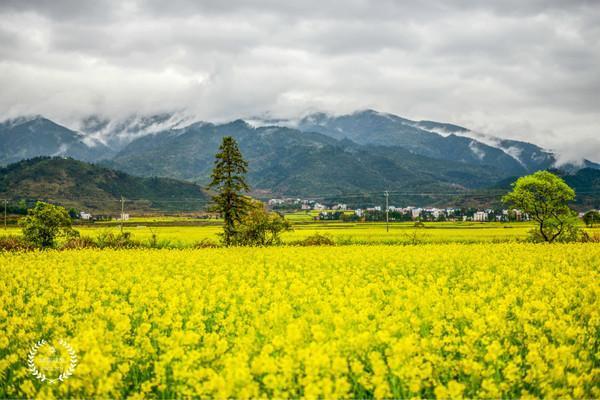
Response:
column 288, row 161
column 25, row 138
column 358, row 155
column 89, row 187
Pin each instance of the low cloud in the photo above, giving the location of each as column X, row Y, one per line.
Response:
column 522, row 70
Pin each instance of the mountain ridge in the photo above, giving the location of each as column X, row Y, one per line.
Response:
column 90, row 187
column 359, row 152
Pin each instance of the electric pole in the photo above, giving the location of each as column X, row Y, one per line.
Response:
column 5, row 206
column 122, row 212
column 387, row 212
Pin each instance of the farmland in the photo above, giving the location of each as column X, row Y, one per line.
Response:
column 181, row 232
column 443, row 320
column 175, row 233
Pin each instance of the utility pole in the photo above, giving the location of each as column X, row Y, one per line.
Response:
column 387, row 212
column 122, row 212
column 5, row 206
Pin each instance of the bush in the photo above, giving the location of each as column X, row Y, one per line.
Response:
column 260, row 228
column 593, row 237
column 121, row 240
column 14, row 243
column 206, row 244
column 316, row 240
column 591, row 217
column 44, row 223
column 83, row 242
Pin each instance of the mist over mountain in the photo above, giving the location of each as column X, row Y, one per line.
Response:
column 318, row 154
column 30, row 137
column 118, row 133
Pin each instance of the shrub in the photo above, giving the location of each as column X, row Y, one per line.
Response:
column 82, row 242
column 205, row 244
column 415, row 237
column 591, row 237
column 591, row 217
column 260, row 228
column 316, row 240
column 14, row 243
column 44, row 223
column 121, row 240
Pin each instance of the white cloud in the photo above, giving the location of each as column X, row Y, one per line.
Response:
column 523, row 70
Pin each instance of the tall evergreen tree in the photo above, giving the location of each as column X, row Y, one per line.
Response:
column 228, row 180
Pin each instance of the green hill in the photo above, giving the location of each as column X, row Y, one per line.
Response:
column 291, row 162
column 90, row 187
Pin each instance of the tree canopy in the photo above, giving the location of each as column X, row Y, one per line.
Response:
column 44, row 223
column 544, row 197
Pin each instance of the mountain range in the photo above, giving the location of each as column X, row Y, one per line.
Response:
column 320, row 155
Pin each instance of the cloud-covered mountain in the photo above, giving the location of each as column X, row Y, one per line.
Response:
column 432, row 139
column 118, row 133
column 290, row 161
column 29, row 137
column 318, row 154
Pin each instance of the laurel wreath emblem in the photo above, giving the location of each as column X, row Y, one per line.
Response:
column 39, row 374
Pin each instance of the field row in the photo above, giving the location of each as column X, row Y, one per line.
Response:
column 341, row 233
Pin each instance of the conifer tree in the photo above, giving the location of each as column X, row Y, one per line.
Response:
column 228, row 180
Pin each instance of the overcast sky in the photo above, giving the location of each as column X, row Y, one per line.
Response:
column 525, row 69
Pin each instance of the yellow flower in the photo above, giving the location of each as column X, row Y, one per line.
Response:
column 288, row 322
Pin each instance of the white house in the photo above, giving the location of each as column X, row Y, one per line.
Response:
column 480, row 216
column 85, row 216
column 318, row 206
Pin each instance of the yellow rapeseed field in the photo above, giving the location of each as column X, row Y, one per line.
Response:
column 483, row 320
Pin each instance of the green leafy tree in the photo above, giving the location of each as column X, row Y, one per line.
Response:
column 260, row 227
column 228, row 180
column 591, row 217
column 545, row 197
column 44, row 223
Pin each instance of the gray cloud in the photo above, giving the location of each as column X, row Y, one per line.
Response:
column 519, row 69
